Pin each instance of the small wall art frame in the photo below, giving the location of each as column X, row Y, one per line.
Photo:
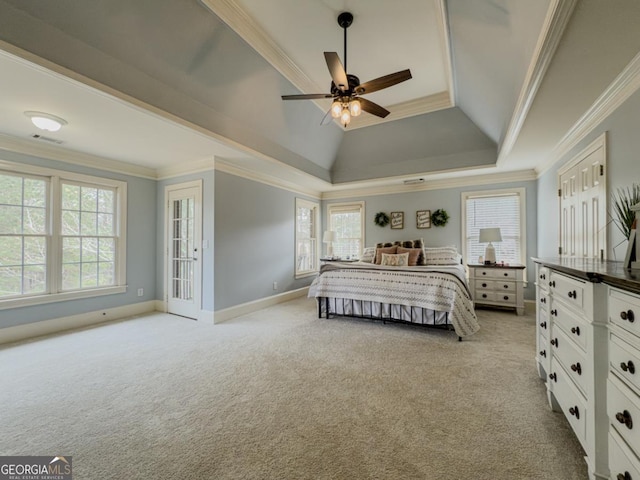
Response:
column 397, row 220
column 423, row 219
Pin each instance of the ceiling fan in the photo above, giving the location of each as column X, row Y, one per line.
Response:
column 346, row 89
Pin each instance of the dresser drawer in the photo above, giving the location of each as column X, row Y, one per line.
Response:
column 623, row 408
column 567, row 320
column 624, row 359
column 543, row 300
column 484, row 284
column 569, row 399
column 624, row 310
column 571, row 358
column 498, row 298
column 543, row 323
column 496, row 273
column 570, row 290
column 544, row 354
column 543, row 278
column 623, row 463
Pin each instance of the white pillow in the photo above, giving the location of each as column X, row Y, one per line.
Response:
column 447, row 255
column 368, row 255
column 395, row 260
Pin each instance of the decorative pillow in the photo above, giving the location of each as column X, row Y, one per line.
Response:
column 369, row 255
column 392, row 260
column 419, row 243
column 442, row 255
column 381, row 250
column 414, row 254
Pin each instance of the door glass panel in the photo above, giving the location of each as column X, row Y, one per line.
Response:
column 182, row 249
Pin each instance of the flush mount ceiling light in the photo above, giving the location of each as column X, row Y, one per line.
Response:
column 46, row 121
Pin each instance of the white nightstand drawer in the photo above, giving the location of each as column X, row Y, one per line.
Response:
column 622, row 460
column 483, row 284
column 624, row 359
column 496, row 273
column 623, row 407
column 624, row 310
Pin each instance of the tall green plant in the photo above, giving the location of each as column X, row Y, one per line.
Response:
column 623, row 200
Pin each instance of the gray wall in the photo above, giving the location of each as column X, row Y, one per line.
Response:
column 450, row 200
column 254, row 240
column 141, row 249
column 623, row 169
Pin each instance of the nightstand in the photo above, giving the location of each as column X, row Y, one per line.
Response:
column 497, row 285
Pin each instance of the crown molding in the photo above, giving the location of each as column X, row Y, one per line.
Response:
column 411, row 108
column 434, row 184
column 185, row 168
column 625, row 85
column 29, row 147
column 558, row 16
column 226, row 166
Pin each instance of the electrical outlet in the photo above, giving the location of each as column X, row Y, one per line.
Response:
column 275, row 285
column 140, row 292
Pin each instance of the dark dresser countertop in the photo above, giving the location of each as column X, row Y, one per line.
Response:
column 597, row 271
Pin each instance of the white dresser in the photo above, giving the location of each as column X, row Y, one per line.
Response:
column 623, row 386
column 500, row 286
column 571, row 353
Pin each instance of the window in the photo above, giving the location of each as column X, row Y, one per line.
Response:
column 347, row 220
column 61, row 235
column 306, row 237
column 498, row 208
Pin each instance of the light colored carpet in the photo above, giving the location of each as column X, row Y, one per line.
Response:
column 280, row 394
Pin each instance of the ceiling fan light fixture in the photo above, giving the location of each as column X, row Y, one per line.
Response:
column 355, row 108
column 345, row 117
column 46, row 121
column 336, row 109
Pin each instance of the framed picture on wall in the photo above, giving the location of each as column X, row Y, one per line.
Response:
column 397, row 220
column 423, row 219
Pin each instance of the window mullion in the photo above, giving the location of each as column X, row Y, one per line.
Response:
column 54, row 252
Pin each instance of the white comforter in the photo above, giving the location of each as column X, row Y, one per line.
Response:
column 442, row 288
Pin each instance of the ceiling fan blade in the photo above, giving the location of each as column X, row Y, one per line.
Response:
column 307, row 96
column 383, row 82
column 338, row 75
column 373, row 108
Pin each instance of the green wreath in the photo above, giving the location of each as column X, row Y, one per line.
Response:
column 382, row 219
column 439, row 218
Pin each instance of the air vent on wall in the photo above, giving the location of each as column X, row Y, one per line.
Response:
column 47, row 139
column 414, row 181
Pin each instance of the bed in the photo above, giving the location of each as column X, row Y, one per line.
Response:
column 431, row 295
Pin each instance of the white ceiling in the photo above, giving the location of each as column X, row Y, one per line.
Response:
column 487, row 55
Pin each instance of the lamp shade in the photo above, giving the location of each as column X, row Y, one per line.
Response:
column 328, row 236
column 488, row 235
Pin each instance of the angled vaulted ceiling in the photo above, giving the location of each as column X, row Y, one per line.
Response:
column 179, row 60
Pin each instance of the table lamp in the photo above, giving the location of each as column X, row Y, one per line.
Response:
column 488, row 235
column 328, row 238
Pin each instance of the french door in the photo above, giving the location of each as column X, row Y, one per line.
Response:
column 183, row 229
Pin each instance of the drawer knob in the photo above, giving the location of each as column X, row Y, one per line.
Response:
column 484, row 273
column 575, row 330
column 543, row 276
column 484, row 295
column 554, row 342
column 628, row 367
column 628, row 315
column 506, row 286
column 625, row 417
column 506, row 297
column 543, row 300
column 543, row 324
column 543, row 353
column 624, row 476
column 554, row 313
column 575, row 412
column 506, row 274
column 577, row 368
column 573, row 294
column 553, row 377
column 552, row 283
column 484, row 285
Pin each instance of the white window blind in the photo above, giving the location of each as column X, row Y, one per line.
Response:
column 501, row 210
column 306, row 237
column 347, row 220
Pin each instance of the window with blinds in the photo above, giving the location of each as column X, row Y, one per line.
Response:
column 502, row 209
column 347, row 220
column 306, row 237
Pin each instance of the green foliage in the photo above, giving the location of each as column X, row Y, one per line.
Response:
column 439, row 218
column 623, row 200
column 381, row 219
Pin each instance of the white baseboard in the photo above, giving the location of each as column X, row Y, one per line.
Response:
column 206, row 316
column 249, row 307
column 55, row 325
column 161, row 306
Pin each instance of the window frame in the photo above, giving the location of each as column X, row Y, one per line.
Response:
column 349, row 206
column 521, row 193
column 55, row 178
column 315, row 206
